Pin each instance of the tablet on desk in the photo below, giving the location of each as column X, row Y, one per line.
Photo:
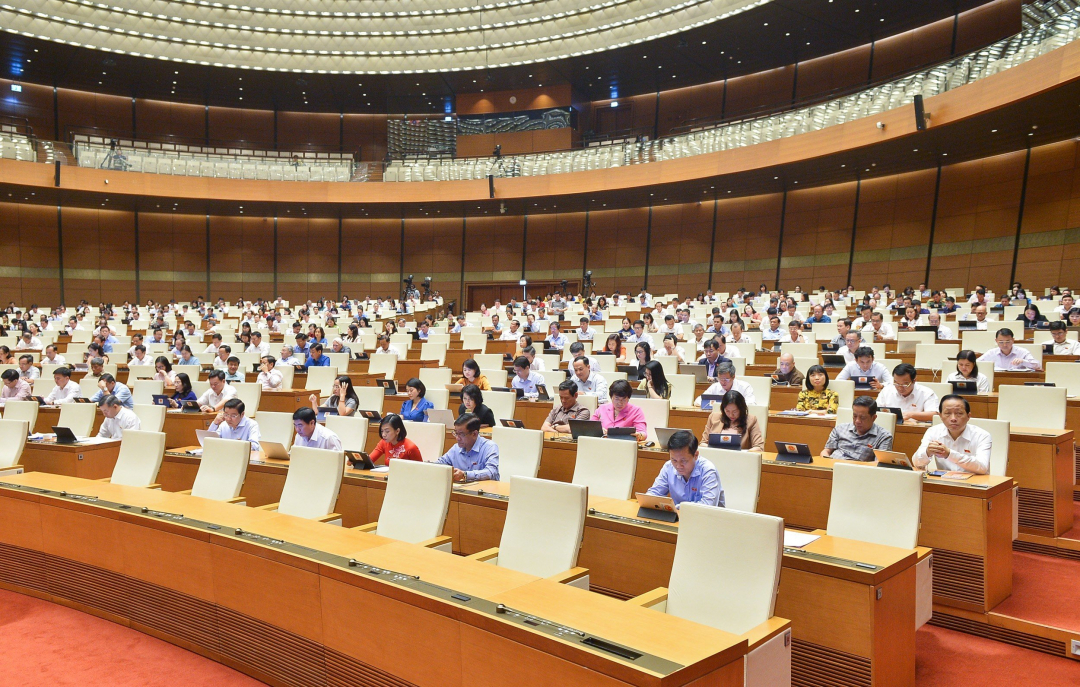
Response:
column 893, row 459
column 516, row 424
column 371, row 415
column 863, row 382
column 64, row 435
column 446, row 417
column 323, row 411
column 664, row 434
column 728, row 441
column 830, row 347
column 585, row 428
column 700, row 372
column 389, row 386
column 622, row 433
column 359, row 460
column 191, row 407
column 895, row 411
column 657, row 508
column 793, row 452
column 833, row 360
column 965, row 388
column 161, row 400
column 40, row 399
column 707, row 400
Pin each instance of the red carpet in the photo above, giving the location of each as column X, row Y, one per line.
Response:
column 1045, row 591
column 48, row 644
column 944, row 658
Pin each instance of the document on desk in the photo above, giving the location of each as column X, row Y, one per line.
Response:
column 797, row 540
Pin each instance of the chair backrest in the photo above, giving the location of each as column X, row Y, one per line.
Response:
column 25, row 411
column 223, row 468
column 435, row 377
column 762, row 387
column 1040, row 407
column 727, row 567
column 999, row 435
column 276, row 427
column 429, row 437
column 503, row 404
column 940, row 389
column 370, row 398
column 883, row 419
column 656, row 410
column 439, row 397
column 545, row 521
column 875, row 505
column 590, row 401
column 519, row 451
column 78, row 417
column 143, row 390
column 740, row 476
column 496, row 377
column 739, row 365
column 321, row 378
column 151, row 417
column 979, row 340
column 488, row 361
column 1065, row 375
column 12, row 441
column 312, row 482
column 137, row 372
column 670, row 364
column 251, row 394
column 804, row 363
column 801, row 350
column 288, row 374
column 416, row 501
column 762, row 414
column 845, row 391
column 433, row 351
column 338, row 360
column 386, row 365
column 352, row 430
column 552, row 380
column 606, row 466
column 140, row 457
column 88, row 386
column 934, row 356
column 682, row 390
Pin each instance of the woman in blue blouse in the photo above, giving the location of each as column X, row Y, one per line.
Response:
column 414, row 408
column 182, row 390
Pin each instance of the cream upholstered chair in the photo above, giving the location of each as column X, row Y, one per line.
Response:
column 321, row 379
column 801, row 350
column 435, row 377
column 656, row 410
column 26, row 411
column 433, row 351
column 143, row 390
column 740, row 476
column 78, row 417
column 140, row 372
column 762, row 387
column 288, row 374
column 1065, row 375
column 1041, row 407
column 311, row 485
column 251, row 394
column 495, row 377
column 999, row 458
column 606, row 466
column 762, row 414
column 545, row 522
column 151, row 417
column 140, row 458
column 12, row 442
column 370, row 398
column 351, row 430
column 222, row 470
column 552, row 380
column 415, row 504
column 88, row 386
column 845, row 391
column 669, row 362
column 725, row 575
column 934, row 356
column 503, row 404
column 519, row 451
column 940, row 389
column 884, row 419
column 590, row 401
column 882, row 507
column 276, row 427
column 429, row 437
column 804, row 363
column 682, row 390
column 439, row 397
column 489, row 361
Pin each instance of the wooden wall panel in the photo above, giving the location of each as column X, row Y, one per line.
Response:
column 433, row 249
column 29, row 254
column 493, row 247
column 985, row 24
column 617, row 247
column 99, row 255
column 555, row 246
column 895, row 215
column 370, row 257
column 172, row 256
column 300, row 129
column 365, row 136
column 846, row 69
column 307, row 258
column 761, row 90
column 157, row 119
column 903, row 52
column 111, row 113
column 226, row 258
column 1049, row 251
column 255, row 128
column 747, row 236
column 35, row 104
column 679, row 105
column 817, row 236
column 679, row 256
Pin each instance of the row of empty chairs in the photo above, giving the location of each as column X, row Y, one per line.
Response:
column 16, row 146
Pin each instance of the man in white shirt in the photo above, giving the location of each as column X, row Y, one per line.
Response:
column 65, row 390
column 117, row 418
column 27, row 370
column 879, row 329
column 852, row 343
column 589, row 382
column 640, row 335
column 268, row 376
column 725, row 382
column 585, row 332
column 52, row 356
column 140, row 357
column 955, row 444
column 774, row 332
column 670, row 326
column 215, row 343
column 221, row 362
column 382, row 347
column 717, row 326
column 310, row 434
column 934, row 319
column 915, row 401
column 28, row 342
column 1067, row 304
column 513, row 333
column 213, row 399
column 257, row 345
column 1062, row 345
column 700, row 338
column 1007, row 356
column 978, row 313
column 865, row 366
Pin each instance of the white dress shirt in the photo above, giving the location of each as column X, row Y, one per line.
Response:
column 877, row 370
column 886, row 331
column 595, row 384
column 508, row 335
column 209, row 398
column 145, row 361
column 586, row 335
column 1005, row 362
column 58, row 360
column 736, row 385
column 263, row 349
column 920, row 400
column 63, row 394
column 969, row 452
column 1068, row 347
column 320, row 438
column 113, row 427
column 981, row 382
column 271, row 381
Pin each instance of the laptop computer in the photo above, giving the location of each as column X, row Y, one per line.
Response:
column 968, row 387
column 64, row 435
column 926, row 328
column 700, row 372
column 622, row 433
column 707, row 400
column 657, row 508
column 191, row 407
column 274, row 449
column 389, row 386
column 833, row 359
column 793, row 452
column 893, row 459
column 632, row 373
column 585, row 428
column 446, row 417
column 729, row 441
column 663, row 435
column 359, row 460
column 518, row 424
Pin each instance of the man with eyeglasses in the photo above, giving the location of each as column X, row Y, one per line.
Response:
column 954, row 444
column 473, row 457
column 916, row 401
column 231, row 423
column 687, row 476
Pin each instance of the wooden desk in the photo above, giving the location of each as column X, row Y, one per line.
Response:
column 1041, row 461
column 300, row 379
column 90, row 460
column 285, row 400
column 276, row 597
column 180, row 427
column 49, row 417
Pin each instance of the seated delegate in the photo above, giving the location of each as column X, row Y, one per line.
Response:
column 858, row 439
column 567, row 409
column 955, row 444
column 730, row 416
column 620, row 412
column 686, row 476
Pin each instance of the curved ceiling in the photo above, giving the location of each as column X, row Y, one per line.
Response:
column 360, row 36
